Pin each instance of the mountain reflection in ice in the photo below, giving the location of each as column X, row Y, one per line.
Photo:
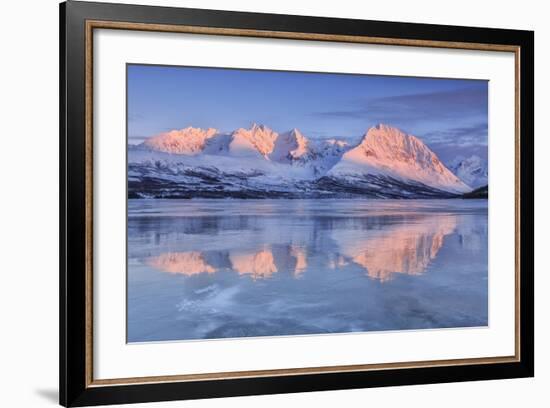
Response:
column 235, row 268
column 258, row 264
column 185, row 263
column 404, row 249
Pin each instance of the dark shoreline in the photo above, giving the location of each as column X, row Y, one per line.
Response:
column 323, row 188
column 238, row 196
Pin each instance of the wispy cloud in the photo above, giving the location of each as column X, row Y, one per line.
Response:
column 412, row 108
column 463, row 135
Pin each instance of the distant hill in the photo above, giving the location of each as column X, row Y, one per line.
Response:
column 481, row 192
column 473, row 170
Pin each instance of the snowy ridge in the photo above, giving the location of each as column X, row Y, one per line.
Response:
column 290, row 146
column 185, row 141
column 388, row 151
column 249, row 142
column 473, row 170
column 259, row 162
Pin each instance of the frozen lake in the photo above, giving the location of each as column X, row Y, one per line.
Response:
column 205, row 269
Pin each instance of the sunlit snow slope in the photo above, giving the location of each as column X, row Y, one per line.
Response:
column 259, row 162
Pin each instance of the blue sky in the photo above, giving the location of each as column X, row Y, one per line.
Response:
column 449, row 115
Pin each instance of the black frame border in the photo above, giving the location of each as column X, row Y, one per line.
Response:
column 73, row 388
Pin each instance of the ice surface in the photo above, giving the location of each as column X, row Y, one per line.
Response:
column 203, row 269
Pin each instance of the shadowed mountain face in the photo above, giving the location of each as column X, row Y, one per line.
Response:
column 473, row 170
column 261, row 163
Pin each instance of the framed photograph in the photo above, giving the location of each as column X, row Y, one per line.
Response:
column 256, row 203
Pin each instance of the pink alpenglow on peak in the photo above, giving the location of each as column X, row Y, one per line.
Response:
column 188, row 141
column 249, row 142
column 387, row 151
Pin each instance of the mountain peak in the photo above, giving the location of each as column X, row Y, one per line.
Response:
column 388, row 150
column 289, row 146
column 258, row 139
column 384, row 127
column 299, row 136
column 386, row 131
column 261, row 127
column 188, row 141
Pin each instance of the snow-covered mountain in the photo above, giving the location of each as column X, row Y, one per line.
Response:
column 259, row 162
column 385, row 150
column 185, row 141
column 290, row 146
column 473, row 170
column 259, row 139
